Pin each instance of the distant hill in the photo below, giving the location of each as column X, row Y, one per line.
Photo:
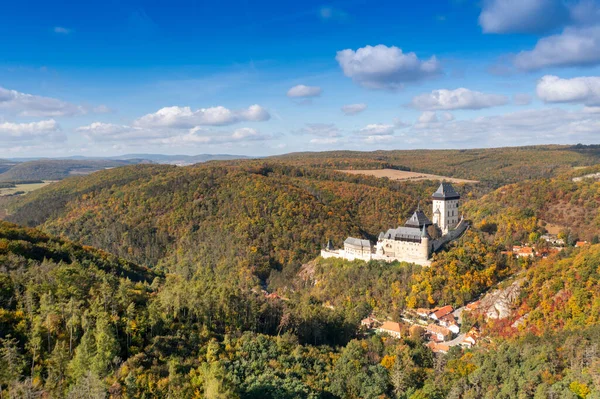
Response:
column 51, row 169
column 6, row 165
column 493, row 167
column 181, row 159
column 156, row 158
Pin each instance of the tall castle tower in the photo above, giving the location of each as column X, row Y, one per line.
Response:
column 445, row 207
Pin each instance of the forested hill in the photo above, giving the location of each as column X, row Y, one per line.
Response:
column 494, row 167
column 253, row 216
column 29, row 248
column 51, row 169
column 557, row 204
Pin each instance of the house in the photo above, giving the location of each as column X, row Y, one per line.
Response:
column 391, row 328
column 470, row 338
column 441, row 312
column 579, row 244
column 449, row 321
column 422, row 312
column 438, row 333
column 553, row 239
column 523, row 252
column 545, row 252
column 368, row 322
column 438, row 347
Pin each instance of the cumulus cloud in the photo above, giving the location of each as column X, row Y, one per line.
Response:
column 29, row 105
column 319, row 129
column 379, row 139
column 522, row 99
column 353, row 109
column 200, row 135
column 572, row 47
column 302, row 91
column 525, row 127
column 324, row 140
column 457, row 99
column 185, row 117
column 383, row 67
column 523, row 16
column 428, row 117
column 47, row 129
column 108, row 132
column 377, row 129
column 584, row 90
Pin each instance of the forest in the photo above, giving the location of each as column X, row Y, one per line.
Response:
column 177, row 282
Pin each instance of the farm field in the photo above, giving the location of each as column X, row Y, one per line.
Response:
column 394, row 174
column 24, row 188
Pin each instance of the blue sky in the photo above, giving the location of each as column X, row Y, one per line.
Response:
column 262, row 78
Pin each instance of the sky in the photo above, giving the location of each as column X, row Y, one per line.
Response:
column 262, row 78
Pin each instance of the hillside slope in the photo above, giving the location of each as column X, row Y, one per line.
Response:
column 254, row 216
column 49, row 169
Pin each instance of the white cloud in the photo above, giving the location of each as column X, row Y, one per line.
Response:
column 460, row 98
column 585, row 90
column 447, row 116
column 377, row 129
column 62, row 30
column 108, row 132
column 379, row 139
column 29, row 105
column 326, row 140
column 104, row 132
column 200, row 135
column 428, row 117
column 353, row 109
column 383, row 67
column 185, row 118
column 542, row 126
column 302, row 91
column 572, row 47
column 591, row 110
column 48, row 129
column 522, row 16
column 319, row 129
column 522, row 99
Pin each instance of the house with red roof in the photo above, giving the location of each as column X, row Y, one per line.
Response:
column 391, row 328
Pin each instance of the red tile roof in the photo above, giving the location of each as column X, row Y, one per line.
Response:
column 443, row 311
column 434, row 328
column 391, row 326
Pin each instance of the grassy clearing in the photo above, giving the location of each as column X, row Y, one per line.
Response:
column 394, row 174
column 23, row 188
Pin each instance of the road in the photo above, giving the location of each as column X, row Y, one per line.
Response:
column 455, row 341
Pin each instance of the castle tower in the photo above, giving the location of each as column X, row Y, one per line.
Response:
column 445, row 207
column 424, row 249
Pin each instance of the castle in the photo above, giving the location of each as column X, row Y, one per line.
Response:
column 411, row 242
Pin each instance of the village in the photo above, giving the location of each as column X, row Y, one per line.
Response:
column 440, row 327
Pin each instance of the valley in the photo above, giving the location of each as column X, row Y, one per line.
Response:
column 201, row 265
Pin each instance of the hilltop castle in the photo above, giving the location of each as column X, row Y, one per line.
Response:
column 411, row 242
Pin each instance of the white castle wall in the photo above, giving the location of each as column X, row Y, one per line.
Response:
column 448, row 216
